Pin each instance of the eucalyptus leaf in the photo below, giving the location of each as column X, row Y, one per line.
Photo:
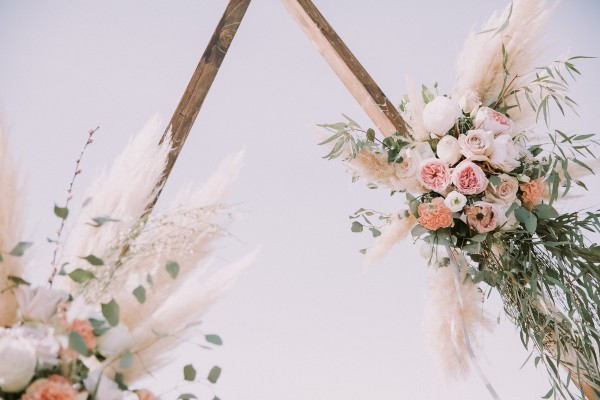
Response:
column 126, row 360
column 61, row 212
column 214, row 374
column 527, row 218
column 172, row 268
column 77, row 343
column 140, row 294
column 111, row 311
column 92, row 259
column 81, row 275
column 189, row 373
column 20, row 248
column 356, row 227
column 214, row 339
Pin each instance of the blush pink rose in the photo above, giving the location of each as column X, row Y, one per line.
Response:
column 434, row 174
column 146, row 395
column 491, row 120
column 55, row 387
column 469, row 178
column 481, row 218
column 435, row 215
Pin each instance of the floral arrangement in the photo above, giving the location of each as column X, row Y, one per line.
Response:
column 125, row 294
column 481, row 178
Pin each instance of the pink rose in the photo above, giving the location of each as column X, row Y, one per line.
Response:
column 55, row 387
column 435, row 215
column 469, row 178
column 491, row 120
column 434, row 174
column 482, row 217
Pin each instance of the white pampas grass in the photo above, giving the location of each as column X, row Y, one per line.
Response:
column 480, row 64
column 10, row 231
column 153, row 341
column 442, row 321
column 123, row 193
column 396, row 230
column 414, row 107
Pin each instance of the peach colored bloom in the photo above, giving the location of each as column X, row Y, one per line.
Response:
column 533, row 191
column 435, row 215
column 481, row 218
column 55, row 387
column 146, row 395
column 434, row 174
column 469, row 178
column 85, row 329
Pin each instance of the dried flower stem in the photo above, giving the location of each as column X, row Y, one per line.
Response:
column 59, row 231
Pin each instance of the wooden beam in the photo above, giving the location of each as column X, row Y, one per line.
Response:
column 187, row 110
column 358, row 81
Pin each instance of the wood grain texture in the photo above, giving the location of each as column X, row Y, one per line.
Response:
column 358, row 81
column 191, row 102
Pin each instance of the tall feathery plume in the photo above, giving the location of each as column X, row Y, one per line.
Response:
column 396, row 230
column 414, row 107
column 10, row 231
column 481, row 63
column 184, row 233
column 121, row 194
column 442, row 321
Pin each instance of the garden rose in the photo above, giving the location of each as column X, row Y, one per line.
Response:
column 38, row 304
column 448, row 150
column 435, row 215
column 476, row 145
column 455, row 201
column 440, row 115
column 469, row 178
column 491, row 120
column 434, row 174
column 469, row 101
column 505, row 154
column 503, row 193
column 532, row 192
column 18, row 362
column 407, row 170
column 43, row 340
column 483, row 217
column 55, row 387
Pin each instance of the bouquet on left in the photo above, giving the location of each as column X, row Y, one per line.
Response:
column 125, row 290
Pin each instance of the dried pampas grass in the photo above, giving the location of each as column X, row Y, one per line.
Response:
column 442, row 322
column 396, row 230
column 480, row 64
column 10, row 231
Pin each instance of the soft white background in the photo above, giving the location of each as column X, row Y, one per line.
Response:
column 306, row 321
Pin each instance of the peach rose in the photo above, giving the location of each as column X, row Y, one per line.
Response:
column 533, row 191
column 435, row 215
column 482, row 217
column 55, row 387
column 434, row 174
column 85, row 329
column 146, row 395
column 469, row 178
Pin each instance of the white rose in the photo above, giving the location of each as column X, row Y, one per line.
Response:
column 455, row 201
column 469, row 101
column 504, row 155
column 440, row 115
column 42, row 338
column 491, row 120
column 503, row 193
column 476, row 145
column 39, row 304
column 114, row 340
column 18, row 362
column 448, row 150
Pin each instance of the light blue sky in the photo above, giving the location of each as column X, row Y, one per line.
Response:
column 305, row 322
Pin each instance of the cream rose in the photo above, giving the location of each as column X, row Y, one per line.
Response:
column 448, row 150
column 503, row 193
column 468, row 178
column 440, row 115
column 469, row 101
column 491, row 120
column 505, row 154
column 434, row 174
column 476, row 145
column 18, row 362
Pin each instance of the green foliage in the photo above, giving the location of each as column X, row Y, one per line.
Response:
column 17, row 280
column 172, row 268
column 186, row 396
column 126, row 360
column 140, row 294
column 77, row 343
column 214, row 374
column 189, row 373
column 20, row 248
column 99, row 221
column 81, row 275
column 61, row 212
column 92, row 259
column 111, row 312
column 214, row 339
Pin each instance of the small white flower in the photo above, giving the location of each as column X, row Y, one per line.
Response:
column 18, row 362
column 469, row 102
column 448, row 150
column 440, row 115
column 455, row 201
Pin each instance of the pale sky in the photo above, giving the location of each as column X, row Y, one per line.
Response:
column 306, row 321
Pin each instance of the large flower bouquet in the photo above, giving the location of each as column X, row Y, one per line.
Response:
column 125, row 292
column 481, row 179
